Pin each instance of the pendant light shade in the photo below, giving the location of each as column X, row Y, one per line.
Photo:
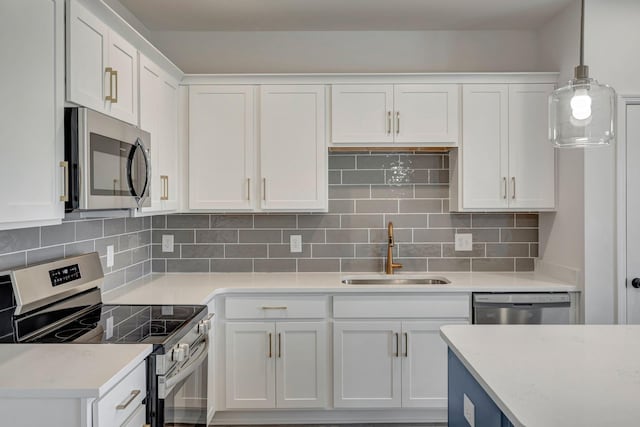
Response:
column 582, row 113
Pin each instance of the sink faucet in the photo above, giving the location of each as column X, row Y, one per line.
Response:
column 390, row 266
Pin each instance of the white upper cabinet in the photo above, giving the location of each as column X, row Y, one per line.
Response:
column 401, row 114
column 102, row 67
column 222, row 148
column 293, row 152
column 32, row 132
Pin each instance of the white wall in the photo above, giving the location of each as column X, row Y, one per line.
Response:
column 349, row 51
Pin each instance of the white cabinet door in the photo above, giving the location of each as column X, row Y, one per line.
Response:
column 138, row 418
column 301, row 364
column 169, row 155
column 293, row 152
column 424, row 364
column 87, row 58
column 531, row 156
column 32, row 130
column 362, row 114
column 426, row 114
column 366, row 358
column 122, row 82
column 250, row 363
column 485, row 149
column 221, row 147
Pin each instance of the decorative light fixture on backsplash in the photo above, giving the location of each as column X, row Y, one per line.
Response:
column 582, row 113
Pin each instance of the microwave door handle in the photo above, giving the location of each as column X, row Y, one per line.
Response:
column 145, row 189
column 194, row 362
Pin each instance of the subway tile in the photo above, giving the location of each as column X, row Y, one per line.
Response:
column 501, row 250
column 216, row 236
column 318, row 221
column 361, row 221
column 519, row 235
column 363, row 177
column 449, row 251
column 179, row 236
column 337, row 250
column 283, row 251
column 245, row 251
column 57, row 234
column 73, row 249
column 114, row 226
column 133, row 224
column 341, row 162
column 438, row 176
column 308, row 236
column 231, row 221
column 348, row 236
column 373, row 250
column 187, row 266
column 482, row 234
column 159, row 266
column 492, row 220
column 18, row 259
column 140, row 254
column 156, row 252
column 45, row 254
column 146, row 222
column 231, row 265
column 202, row 251
column 380, row 235
column 377, row 161
column 434, row 235
column 144, row 237
column 318, row 265
column 445, row 161
column 188, row 221
column 449, row 264
column 445, row 206
column 335, row 177
column 134, row 272
column 369, row 265
column 419, row 250
column 101, row 245
column 113, row 280
column 391, row 191
column 421, row 206
column 19, row 240
column 449, row 220
column 412, row 264
column 337, row 192
column 260, row 236
column 533, row 250
column 129, row 241
column 88, row 229
column 525, row 264
column 404, row 177
column 341, row 206
column 423, row 161
column 526, row 220
column 274, row 221
column 432, row 191
column 492, row 264
column 407, row 220
column 274, row 265
column 376, row 206
column 159, row 221
column 122, row 260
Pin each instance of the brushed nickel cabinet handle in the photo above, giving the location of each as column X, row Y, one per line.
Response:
column 128, row 400
column 504, row 187
column 115, row 100
column 264, row 189
column 279, row 345
column 270, row 346
column 110, row 96
column 389, row 125
column 406, row 344
column 164, row 179
column 397, row 122
column 248, row 188
column 397, row 344
column 65, row 195
column 274, row 307
column 513, row 187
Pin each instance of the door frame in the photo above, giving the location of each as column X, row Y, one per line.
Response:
column 621, row 202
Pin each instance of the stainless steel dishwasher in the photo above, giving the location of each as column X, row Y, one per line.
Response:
column 521, row 308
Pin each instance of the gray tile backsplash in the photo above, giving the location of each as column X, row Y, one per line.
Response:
column 366, row 191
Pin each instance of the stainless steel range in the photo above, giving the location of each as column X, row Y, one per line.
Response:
column 60, row 302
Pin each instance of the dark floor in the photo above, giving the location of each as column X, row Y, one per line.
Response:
column 342, row 425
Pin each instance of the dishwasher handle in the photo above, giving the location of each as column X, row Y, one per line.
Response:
column 510, row 299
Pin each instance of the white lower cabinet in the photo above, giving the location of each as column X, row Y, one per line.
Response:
column 123, row 403
column 138, row 418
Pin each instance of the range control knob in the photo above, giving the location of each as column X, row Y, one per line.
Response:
column 635, row 282
column 180, row 352
column 203, row 326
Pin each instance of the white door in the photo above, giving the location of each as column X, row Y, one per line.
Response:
column 366, row 363
column 532, row 164
column 633, row 212
column 221, row 148
column 122, row 82
column 32, row 131
column 362, row 114
column 87, row 58
column 301, row 364
column 250, row 365
column 424, row 364
column 169, row 143
column 293, row 150
column 485, row 150
column 426, row 114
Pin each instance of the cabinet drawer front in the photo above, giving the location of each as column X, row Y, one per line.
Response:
column 307, row 307
column 415, row 306
column 127, row 395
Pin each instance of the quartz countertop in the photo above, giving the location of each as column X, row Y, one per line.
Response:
column 66, row 370
column 200, row 288
column 555, row 375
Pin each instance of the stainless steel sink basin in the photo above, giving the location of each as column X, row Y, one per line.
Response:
column 432, row 280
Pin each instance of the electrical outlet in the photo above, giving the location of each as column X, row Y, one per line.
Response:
column 295, row 243
column 167, row 243
column 110, row 256
column 469, row 411
column 109, row 330
column 464, row 242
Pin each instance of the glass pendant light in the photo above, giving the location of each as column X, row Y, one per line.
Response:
column 582, row 113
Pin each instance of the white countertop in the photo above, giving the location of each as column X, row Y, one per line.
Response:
column 65, row 370
column 555, row 376
column 200, row 288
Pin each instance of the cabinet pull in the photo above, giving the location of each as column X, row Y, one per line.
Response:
column 406, row 344
column 513, row 187
column 128, row 400
column 65, row 195
column 397, row 122
column 110, row 96
column 389, row 125
column 248, row 188
column 270, row 346
column 504, row 187
column 274, row 307
column 115, row 100
column 279, row 345
column 397, row 344
column 264, row 189
column 164, row 179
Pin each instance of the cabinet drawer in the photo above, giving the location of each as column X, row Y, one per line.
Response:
column 127, row 395
column 276, row 307
column 416, row 306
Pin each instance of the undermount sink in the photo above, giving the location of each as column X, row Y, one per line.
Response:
column 431, row 280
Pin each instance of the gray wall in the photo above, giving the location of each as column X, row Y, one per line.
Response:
column 366, row 191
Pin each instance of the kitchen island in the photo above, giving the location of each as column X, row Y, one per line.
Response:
column 543, row 376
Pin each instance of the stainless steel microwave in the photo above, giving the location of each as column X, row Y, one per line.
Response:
column 109, row 165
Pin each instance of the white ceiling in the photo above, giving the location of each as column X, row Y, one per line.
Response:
column 348, row 15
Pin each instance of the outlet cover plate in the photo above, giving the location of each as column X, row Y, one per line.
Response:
column 295, row 243
column 167, row 243
column 464, row 242
column 469, row 411
column 110, row 256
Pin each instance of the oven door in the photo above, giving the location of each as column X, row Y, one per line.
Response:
column 182, row 393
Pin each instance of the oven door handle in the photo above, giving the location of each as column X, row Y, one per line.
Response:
column 188, row 369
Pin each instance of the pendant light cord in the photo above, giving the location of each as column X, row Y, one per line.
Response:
column 582, row 33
